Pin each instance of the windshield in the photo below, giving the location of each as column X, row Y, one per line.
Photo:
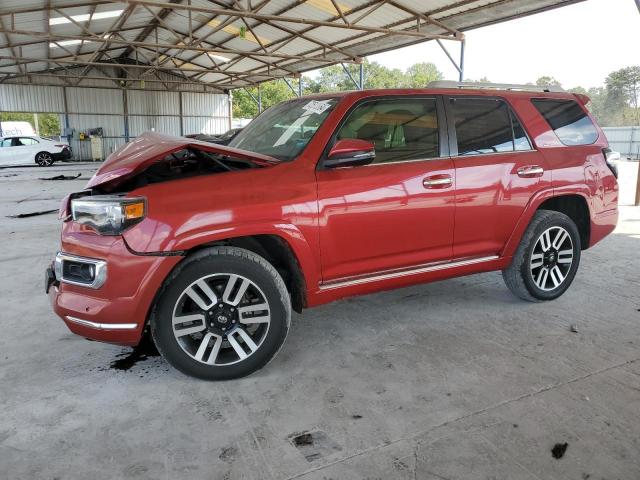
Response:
column 284, row 130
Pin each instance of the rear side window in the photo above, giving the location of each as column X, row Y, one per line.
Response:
column 568, row 120
column 487, row 125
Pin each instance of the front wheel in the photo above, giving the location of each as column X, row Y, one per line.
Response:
column 44, row 159
column 223, row 313
column 547, row 259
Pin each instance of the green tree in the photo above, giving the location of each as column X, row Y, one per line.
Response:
column 48, row 123
column 623, row 91
column 547, row 80
column 419, row 75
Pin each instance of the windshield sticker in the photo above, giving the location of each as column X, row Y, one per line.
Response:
column 315, row 106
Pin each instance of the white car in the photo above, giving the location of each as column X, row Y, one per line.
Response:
column 26, row 149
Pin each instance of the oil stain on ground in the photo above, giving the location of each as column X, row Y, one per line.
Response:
column 144, row 350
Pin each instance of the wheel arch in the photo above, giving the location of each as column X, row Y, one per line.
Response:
column 574, row 204
column 278, row 252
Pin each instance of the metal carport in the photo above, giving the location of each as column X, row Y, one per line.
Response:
column 80, row 53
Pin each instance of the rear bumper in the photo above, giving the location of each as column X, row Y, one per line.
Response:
column 602, row 224
column 117, row 311
column 65, row 154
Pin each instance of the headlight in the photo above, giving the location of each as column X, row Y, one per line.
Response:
column 108, row 215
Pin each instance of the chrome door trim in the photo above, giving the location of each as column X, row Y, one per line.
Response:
column 391, row 274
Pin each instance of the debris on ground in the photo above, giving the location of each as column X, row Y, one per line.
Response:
column 62, row 177
column 559, row 450
column 9, row 175
column 304, row 439
column 32, row 214
column 574, row 328
column 356, row 417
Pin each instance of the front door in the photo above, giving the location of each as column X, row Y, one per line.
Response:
column 397, row 211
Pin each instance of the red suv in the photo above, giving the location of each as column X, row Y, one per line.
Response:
column 210, row 247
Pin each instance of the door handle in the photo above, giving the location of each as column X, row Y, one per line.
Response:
column 437, row 181
column 530, row 171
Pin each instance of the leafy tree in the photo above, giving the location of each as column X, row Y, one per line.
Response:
column 623, row 89
column 547, row 80
column 420, row 74
column 48, row 123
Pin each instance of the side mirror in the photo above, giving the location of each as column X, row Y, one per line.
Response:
column 350, row 152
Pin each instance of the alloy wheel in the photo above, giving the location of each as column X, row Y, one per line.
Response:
column 551, row 258
column 44, row 159
column 221, row 319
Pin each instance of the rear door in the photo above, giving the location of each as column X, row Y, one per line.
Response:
column 397, row 211
column 497, row 172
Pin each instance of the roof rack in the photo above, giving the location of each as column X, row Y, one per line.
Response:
column 495, row 86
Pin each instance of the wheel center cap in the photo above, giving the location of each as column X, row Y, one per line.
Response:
column 221, row 318
column 550, row 258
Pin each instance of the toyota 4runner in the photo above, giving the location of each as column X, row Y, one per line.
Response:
column 209, row 248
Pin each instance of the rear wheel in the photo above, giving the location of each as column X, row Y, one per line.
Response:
column 44, row 159
column 547, row 259
column 224, row 313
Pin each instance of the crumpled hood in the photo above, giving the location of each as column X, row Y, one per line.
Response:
column 135, row 156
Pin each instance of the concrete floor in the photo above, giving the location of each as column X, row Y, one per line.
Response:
column 452, row 380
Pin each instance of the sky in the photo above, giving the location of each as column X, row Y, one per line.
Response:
column 579, row 45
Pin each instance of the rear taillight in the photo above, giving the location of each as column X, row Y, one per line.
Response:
column 61, row 146
column 609, row 157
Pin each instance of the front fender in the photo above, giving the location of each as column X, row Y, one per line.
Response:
column 185, row 240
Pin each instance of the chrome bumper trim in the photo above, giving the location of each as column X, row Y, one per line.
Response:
column 100, row 275
column 102, row 326
column 425, row 268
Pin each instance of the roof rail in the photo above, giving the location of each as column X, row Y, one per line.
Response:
column 496, row 86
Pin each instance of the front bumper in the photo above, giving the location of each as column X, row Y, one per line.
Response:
column 117, row 311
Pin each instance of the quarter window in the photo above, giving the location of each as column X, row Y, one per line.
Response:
column 568, row 120
column 486, row 125
column 400, row 129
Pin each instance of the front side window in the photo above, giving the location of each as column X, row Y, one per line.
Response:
column 487, row 125
column 570, row 122
column 283, row 130
column 5, row 143
column 400, row 129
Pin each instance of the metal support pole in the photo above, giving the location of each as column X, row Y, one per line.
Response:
column 346, row 70
column 362, row 75
column 290, row 86
column 300, row 84
column 125, row 108
column 66, row 116
column 180, row 113
column 461, row 69
column 259, row 99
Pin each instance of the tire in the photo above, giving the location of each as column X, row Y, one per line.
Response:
column 552, row 243
column 44, row 159
column 235, row 312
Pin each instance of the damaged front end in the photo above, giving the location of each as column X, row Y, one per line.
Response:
column 100, row 286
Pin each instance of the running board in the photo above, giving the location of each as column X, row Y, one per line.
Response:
column 391, row 274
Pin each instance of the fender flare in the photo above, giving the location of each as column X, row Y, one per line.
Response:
column 288, row 233
column 534, row 203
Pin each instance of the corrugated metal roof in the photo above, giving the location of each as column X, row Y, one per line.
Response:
column 227, row 47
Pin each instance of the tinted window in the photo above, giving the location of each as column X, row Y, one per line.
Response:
column 485, row 125
column 5, row 143
column 28, row 141
column 570, row 122
column 400, row 129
